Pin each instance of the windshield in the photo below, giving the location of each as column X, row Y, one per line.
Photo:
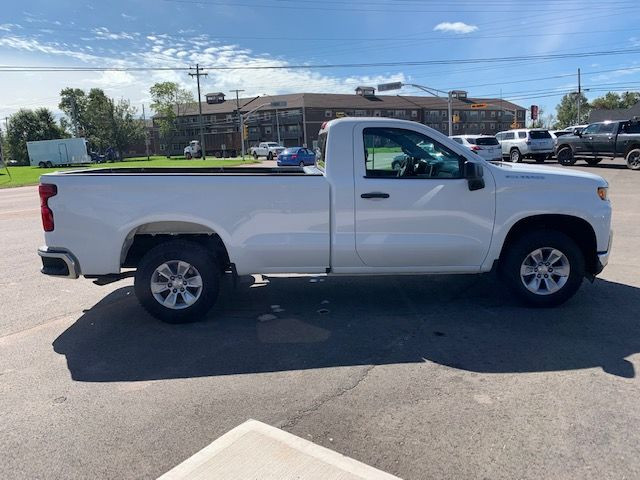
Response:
column 289, row 151
column 272, row 145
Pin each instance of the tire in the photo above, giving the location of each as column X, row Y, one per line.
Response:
column 255, row 156
column 592, row 161
column 42, row 165
column 396, row 165
column 201, row 262
column 49, row 165
column 269, row 156
column 515, row 156
column 565, row 156
column 188, row 156
column 519, row 258
column 633, row 159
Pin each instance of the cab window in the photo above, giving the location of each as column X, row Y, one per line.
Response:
column 591, row 129
column 400, row 153
column 607, row 127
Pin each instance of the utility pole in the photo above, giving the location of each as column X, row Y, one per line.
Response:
column 240, row 125
column 146, row 133
column 579, row 93
column 199, row 74
column 278, row 127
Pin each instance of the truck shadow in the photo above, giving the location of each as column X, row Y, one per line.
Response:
column 463, row 322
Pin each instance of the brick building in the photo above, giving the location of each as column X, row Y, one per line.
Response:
column 299, row 121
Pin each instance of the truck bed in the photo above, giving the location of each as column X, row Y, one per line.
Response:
column 232, row 171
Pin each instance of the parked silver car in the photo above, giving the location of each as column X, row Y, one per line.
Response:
column 536, row 143
column 487, row 146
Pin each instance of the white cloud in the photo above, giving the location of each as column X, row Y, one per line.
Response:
column 103, row 33
column 455, row 27
column 127, row 17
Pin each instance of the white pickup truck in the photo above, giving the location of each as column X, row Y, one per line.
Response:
column 270, row 150
column 446, row 210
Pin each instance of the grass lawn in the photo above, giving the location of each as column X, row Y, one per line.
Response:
column 21, row 176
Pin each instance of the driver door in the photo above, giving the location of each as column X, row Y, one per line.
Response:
column 421, row 217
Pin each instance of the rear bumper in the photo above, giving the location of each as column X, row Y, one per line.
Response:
column 58, row 262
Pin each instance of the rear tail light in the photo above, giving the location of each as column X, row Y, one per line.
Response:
column 46, row 191
column 475, row 148
column 294, row 156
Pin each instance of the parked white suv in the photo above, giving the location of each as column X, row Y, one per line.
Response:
column 533, row 143
column 487, row 146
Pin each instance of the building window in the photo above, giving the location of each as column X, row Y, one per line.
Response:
column 399, row 113
column 520, row 114
column 162, row 147
column 267, row 115
column 376, row 113
column 456, row 127
column 500, row 113
column 444, row 125
column 433, row 113
column 360, row 113
column 492, row 126
column 493, row 114
column 267, row 130
column 414, row 114
column 443, row 114
column 328, row 114
column 473, row 114
column 229, row 117
column 482, row 114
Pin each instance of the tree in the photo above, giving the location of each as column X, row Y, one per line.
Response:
column 125, row 128
column 567, row 110
column 169, row 102
column 613, row 100
column 29, row 125
column 73, row 102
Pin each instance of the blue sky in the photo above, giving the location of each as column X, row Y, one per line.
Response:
column 228, row 33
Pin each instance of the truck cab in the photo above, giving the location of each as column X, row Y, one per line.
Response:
column 193, row 150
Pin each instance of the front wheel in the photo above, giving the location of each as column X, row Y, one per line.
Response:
column 177, row 281
column 515, row 156
column 565, row 156
column 269, row 156
column 543, row 269
column 255, row 156
column 633, row 159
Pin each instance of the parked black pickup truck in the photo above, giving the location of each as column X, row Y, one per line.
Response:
column 604, row 139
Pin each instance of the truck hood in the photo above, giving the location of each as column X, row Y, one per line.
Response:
column 556, row 172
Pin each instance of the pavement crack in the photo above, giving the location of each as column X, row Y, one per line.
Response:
column 328, row 398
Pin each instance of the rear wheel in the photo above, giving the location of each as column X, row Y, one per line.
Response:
column 565, row 156
column 177, row 281
column 544, row 268
column 633, row 159
column 515, row 156
column 269, row 156
column 188, row 156
column 49, row 165
column 592, row 161
column 255, row 156
column 42, row 164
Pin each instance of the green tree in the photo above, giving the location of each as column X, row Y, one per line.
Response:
column 612, row 100
column 29, row 125
column 73, row 102
column 125, row 128
column 169, row 101
column 567, row 110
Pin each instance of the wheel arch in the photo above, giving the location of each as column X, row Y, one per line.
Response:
column 633, row 146
column 574, row 227
column 145, row 236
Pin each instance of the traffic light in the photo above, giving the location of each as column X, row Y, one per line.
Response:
column 534, row 112
column 245, row 130
column 456, row 118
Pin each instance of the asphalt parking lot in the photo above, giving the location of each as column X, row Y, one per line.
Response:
column 423, row 377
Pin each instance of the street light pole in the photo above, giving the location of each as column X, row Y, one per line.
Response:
column 278, row 126
column 429, row 90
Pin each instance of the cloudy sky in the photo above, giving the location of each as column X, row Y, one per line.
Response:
column 222, row 34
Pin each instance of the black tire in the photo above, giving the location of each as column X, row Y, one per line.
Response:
column 269, row 156
column 42, row 165
column 49, row 165
column 255, row 156
column 519, row 250
column 188, row 156
column 515, row 156
column 592, row 161
column 633, row 159
column 186, row 251
column 565, row 156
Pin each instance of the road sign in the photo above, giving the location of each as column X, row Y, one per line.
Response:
column 383, row 87
column 278, row 104
column 478, row 105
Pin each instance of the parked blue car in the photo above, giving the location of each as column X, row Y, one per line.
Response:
column 296, row 156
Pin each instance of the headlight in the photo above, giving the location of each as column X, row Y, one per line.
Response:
column 603, row 193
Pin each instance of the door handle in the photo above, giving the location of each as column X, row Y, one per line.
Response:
column 375, row 195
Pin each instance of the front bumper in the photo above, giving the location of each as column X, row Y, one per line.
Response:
column 603, row 257
column 58, row 262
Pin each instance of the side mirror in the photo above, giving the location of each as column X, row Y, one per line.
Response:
column 578, row 133
column 473, row 172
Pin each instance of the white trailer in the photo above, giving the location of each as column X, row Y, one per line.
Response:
column 61, row 151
